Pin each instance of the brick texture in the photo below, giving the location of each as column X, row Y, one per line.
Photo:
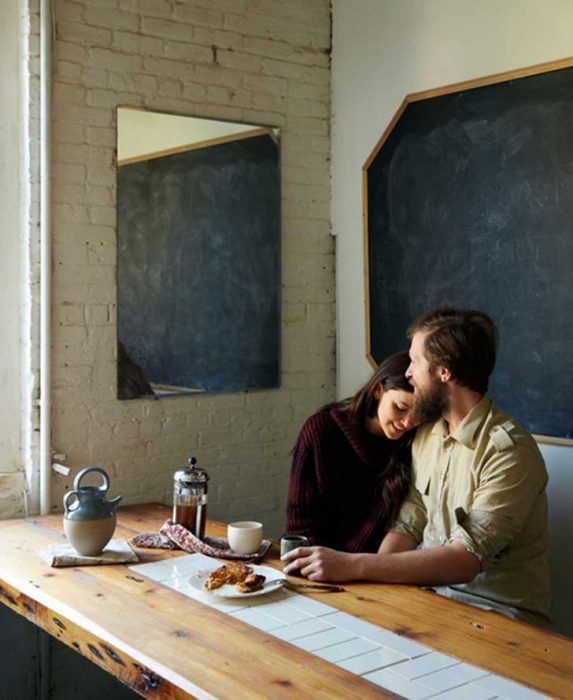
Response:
column 257, row 61
column 19, row 490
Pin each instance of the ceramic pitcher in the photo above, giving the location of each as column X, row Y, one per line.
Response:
column 89, row 518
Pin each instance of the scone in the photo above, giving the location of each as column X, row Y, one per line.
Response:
column 237, row 572
column 216, row 579
column 253, row 582
column 232, row 573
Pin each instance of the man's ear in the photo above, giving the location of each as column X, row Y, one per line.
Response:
column 444, row 374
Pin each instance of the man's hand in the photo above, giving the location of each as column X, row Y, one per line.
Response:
column 319, row 564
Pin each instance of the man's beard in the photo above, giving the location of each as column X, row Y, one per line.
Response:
column 431, row 402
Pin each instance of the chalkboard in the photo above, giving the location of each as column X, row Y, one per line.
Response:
column 470, row 203
column 199, row 266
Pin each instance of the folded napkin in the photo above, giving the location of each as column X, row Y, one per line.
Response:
column 173, row 536
column 116, row 552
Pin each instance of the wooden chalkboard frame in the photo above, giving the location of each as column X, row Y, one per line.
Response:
column 416, row 97
column 252, row 133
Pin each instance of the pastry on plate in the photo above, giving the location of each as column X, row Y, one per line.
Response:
column 216, row 579
column 237, row 572
column 232, row 573
column 252, row 583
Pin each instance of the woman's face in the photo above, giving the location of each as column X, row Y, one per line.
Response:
column 395, row 412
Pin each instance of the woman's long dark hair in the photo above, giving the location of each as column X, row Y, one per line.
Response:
column 395, row 474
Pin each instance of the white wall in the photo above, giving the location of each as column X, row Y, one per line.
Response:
column 11, row 469
column 383, row 50
column 19, row 262
column 255, row 62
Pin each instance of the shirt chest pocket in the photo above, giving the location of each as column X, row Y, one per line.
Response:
column 423, row 482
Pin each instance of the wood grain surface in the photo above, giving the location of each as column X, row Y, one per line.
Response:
column 166, row 645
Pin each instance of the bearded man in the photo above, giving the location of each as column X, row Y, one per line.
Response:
column 474, row 526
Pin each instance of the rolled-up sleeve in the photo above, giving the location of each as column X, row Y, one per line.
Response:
column 412, row 518
column 510, row 482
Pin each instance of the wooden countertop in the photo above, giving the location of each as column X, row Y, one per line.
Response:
column 164, row 644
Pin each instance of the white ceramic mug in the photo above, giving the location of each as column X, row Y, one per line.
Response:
column 245, row 537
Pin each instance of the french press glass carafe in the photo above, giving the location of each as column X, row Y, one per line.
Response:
column 190, row 498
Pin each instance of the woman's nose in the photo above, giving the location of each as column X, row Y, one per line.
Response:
column 407, row 421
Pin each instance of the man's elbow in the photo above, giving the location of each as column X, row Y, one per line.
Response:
column 467, row 575
column 470, row 568
column 468, row 564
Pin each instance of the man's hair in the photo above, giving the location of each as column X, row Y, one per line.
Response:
column 463, row 340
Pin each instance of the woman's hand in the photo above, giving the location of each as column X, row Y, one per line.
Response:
column 319, row 564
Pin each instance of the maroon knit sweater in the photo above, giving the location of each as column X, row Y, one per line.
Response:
column 335, row 484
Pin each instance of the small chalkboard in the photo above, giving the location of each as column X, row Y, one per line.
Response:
column 199, row 266
column 470, row 203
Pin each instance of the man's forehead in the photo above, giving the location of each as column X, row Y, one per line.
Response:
column 418, row 342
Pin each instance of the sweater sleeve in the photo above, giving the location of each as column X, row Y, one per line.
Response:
column 305, row 506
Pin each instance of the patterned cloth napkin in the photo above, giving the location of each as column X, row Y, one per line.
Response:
column 173, row 536
column 116, row 552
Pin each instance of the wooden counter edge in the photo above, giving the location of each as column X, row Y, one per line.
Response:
column 129, row 670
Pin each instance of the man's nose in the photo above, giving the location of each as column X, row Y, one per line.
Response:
column 408, row 373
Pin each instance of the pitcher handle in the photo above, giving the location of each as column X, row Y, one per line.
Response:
column 89, row 470
column 67, row 497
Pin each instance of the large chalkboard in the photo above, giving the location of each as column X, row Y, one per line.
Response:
column 199, row 266
column 470, row 203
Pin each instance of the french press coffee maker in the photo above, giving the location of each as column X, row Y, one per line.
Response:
column 190, row 498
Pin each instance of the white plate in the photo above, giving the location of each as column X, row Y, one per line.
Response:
column 274, row 580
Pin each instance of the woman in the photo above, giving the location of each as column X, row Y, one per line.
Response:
column 351, row 464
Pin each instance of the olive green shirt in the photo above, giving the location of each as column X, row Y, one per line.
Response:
column 483, row 485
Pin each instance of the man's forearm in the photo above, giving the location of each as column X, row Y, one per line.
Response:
column 445, row 565
column 435, row 566
column 396, row 542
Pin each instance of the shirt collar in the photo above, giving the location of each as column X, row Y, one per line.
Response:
column 467, row 429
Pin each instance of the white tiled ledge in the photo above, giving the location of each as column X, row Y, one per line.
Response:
column 384, row 658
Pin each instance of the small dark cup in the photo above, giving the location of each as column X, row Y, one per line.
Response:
column 290, row 542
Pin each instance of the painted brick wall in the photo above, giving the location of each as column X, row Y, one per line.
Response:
column 257, row 61
column 11, row 475
column 19, row 264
